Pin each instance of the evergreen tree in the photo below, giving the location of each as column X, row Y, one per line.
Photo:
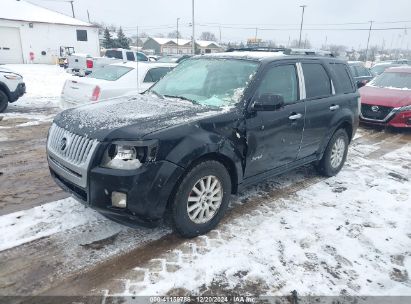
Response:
column 108, row 42
column 122, row 40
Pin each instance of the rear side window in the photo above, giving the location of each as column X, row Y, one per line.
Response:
column 343, row 80
column 156, row 74
column 317, row 82
column 130, row 56
column 114, row 54
column 280, row 80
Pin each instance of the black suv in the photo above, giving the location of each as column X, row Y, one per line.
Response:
column 215, row 124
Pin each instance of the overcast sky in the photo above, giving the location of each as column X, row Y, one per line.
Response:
column 277, row 20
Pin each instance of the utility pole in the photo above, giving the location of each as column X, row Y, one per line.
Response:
column 138, row 83
column 193, row 42
column 368, row 41
column 302, row 22
column 72, row 8
column 256, row 34
column 220, row 34
column 88, row 16
column 178, row 19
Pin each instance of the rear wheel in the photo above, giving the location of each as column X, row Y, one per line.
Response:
column 4, row 101
column 335, row 154
column 201, row 199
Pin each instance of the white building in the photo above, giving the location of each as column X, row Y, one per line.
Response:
column 28, row 30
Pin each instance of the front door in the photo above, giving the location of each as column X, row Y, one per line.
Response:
column 274, row 137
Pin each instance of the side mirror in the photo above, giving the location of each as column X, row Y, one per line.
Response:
column 268, row 102
column 361, row 83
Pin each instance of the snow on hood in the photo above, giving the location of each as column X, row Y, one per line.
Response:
column 146, row 113
column 385, row 96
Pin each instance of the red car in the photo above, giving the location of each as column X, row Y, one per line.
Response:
column 386, row 100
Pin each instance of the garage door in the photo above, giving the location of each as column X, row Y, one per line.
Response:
column 10, row 45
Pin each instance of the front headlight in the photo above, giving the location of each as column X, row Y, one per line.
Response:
column 129, row 155
column 13, row 76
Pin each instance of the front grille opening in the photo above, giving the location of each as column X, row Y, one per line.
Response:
column 380, row 114
column 77, row 191
column 65, row 168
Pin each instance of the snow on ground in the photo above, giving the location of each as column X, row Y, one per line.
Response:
column 346, row 235
column 31, row 224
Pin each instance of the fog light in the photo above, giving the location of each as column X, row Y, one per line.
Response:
column 118, row 199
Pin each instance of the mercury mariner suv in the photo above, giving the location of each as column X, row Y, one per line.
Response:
column 214, row 125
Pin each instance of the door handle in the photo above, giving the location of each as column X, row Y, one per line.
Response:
column 295, row 116
column 334, row 107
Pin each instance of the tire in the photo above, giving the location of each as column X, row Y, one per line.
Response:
column 4, row 101
column 202, row 177
column 335, row 154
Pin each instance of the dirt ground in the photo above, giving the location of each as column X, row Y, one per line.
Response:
column 67, row 264
column 24, row 178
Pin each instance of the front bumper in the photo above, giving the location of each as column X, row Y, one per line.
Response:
column 148, row 190
column 20, row 91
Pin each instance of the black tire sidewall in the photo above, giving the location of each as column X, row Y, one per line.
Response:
column 182, row 223
column 325, row 165
column 4, row 101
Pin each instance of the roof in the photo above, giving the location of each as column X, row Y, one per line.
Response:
column 401, row 69
column 182, row 42
column 246, row 55
column 26, row 11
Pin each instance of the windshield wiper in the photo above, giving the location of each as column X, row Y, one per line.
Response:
column 182, row 97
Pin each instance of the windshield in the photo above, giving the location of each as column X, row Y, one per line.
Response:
column 210, row 82
column 378, row 69
column 110, row 72
column 393, row 80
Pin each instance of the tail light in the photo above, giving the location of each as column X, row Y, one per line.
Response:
column 96, row 94
column 89, row 63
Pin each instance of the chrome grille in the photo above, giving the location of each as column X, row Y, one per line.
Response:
column 69, row 146
column 70, row 155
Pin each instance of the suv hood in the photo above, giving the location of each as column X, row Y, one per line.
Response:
column 130, row 117
column 386, row 97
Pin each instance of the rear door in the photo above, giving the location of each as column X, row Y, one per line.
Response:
column 321, row 105
column 274, row 137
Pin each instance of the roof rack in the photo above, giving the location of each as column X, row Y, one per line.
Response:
column 286, row 51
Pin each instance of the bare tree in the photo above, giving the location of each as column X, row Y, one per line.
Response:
column 173, row 35
column 208, row 36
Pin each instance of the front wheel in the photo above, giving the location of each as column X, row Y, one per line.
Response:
column 335, row 154
column 201, row 199
column 4, row 101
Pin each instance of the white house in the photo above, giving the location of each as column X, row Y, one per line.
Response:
column 30, row 33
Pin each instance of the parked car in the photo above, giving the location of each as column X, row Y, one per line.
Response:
column 362, row 75
column 386, row 100
column 112, row 81
column 379, row 68
column 214, row 125
column 84, row 64
column 174, row 58
column 12, row 87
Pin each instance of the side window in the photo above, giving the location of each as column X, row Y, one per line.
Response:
column 148, row 77
column 141, row 57
column 353, row 71
column 317, row 82
column 81, row 35
column 343, row 81
column 130, row 56
column 280, row 80
column 158, row 73
column 362, row 71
